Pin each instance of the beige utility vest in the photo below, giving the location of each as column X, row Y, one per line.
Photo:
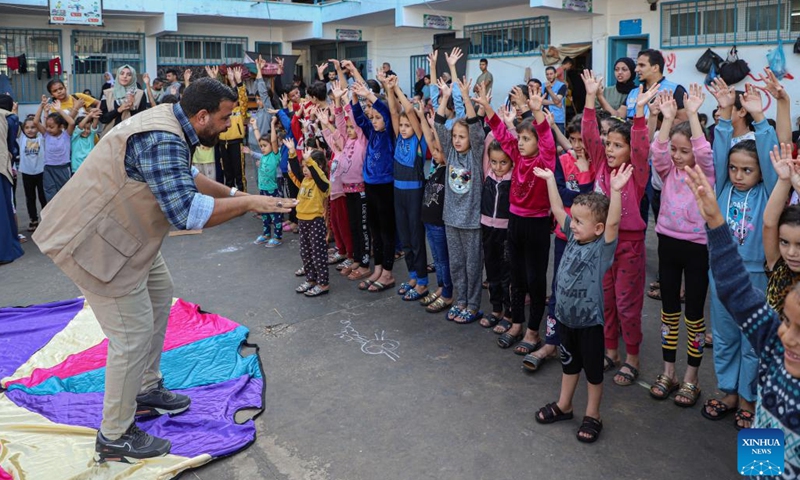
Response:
column 104, row 229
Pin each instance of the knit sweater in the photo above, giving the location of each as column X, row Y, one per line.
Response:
column 778, row 391
column 681, row 219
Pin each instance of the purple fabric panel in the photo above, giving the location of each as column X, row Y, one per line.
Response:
column 24, row 330
column 207, row 427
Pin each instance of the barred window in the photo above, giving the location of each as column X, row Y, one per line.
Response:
column 94, row 53
column 176, row 50
column 38, row 45
column 700, row 23
column 508, row 39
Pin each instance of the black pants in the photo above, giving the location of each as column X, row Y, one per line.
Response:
column 498, row 269
column 411, row 232
column 529, row 250
column 677, row 259
column 294, row 191
column 232, row 160
column 357, row 217
column 34, row 187
column 380, row 218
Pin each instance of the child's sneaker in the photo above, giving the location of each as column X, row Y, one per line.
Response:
column 272, row 243
column 262, row 239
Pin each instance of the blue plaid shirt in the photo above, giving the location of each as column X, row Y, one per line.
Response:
column 163, row 161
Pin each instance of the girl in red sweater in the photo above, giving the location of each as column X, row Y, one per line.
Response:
column 624, row 282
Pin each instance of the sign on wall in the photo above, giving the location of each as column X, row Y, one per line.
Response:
column 348, row 34
column 439, row 22
column 76, row 12
column 577, row 5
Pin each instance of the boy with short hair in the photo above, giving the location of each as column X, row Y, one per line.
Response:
column 591, row 231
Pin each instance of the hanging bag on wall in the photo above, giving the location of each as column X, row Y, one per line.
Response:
column 777, row 60
column 711, row 75
column 708, row 60
column 734, row 70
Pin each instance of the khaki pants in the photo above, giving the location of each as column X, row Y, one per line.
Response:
column 135, row 326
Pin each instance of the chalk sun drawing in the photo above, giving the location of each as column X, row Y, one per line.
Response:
column 379, row 345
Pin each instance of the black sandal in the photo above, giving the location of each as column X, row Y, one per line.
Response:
column 743, row 415
column 550, row 413
column 490, row 322
column 507, row 340
column 505, row 325
column 591, row 427
column 608, row 364
column 715, row 409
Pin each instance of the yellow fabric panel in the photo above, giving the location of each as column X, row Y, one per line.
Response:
column 32, row 448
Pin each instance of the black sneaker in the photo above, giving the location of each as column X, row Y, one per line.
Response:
column 134, row 444
column 160, row 401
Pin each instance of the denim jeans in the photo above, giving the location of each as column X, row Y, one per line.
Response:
column 437, row 241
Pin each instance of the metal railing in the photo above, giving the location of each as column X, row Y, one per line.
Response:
column 94, row 53
column 39, row 46
column 513, row 38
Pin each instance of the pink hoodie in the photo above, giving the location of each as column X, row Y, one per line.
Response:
column 348, row 153
column 680, row 218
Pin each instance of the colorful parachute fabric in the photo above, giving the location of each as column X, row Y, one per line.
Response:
column 52, row 375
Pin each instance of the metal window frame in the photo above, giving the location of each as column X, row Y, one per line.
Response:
column 29, row 92
column 740, row 35
column 141, row 58
column 477, row 51
column 182, row 61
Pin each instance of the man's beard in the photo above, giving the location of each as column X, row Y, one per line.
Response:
column 206, row 139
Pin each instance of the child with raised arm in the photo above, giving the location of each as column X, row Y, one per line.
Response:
column 463, row 151
column 591, row 231
column 528, row 220
column 378, row 184
column 83, row 137
column 623, row 285
column 267, row 162
column 409, row 181
column 775, row 336
column 454, row 106
column 57, row 132
column 314, row 188
column 744, row 179
column 682, row 253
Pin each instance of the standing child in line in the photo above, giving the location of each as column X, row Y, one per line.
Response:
column 432, row 218
column 350, row 146
column 267, row 165
column 494, row 231
column 409, row 179
column 31, row 166
column 782, row 230
column 591, row 232
column 744, row 181
column 378, row 183
column 83, row 137
column 57, row 132
column 463, row 149
column 203, row 160
column 529, row 215
column 623, row 286
column 682, row 242
column 775, row 336
column 574, row 175
column 314, row 187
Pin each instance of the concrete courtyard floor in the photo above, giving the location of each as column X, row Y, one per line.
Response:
column 429, row 400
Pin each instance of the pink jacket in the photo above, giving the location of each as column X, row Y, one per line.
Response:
column 348, row 154
column 680, row 217
column 632, row 225
column 528, row 196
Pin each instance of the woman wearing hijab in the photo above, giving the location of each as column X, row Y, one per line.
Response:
column 613, row 99
column 109, row 81
column 123, row 99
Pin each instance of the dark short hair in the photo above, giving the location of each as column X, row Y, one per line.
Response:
column 6, row 102
column 654, row 57
column 496, row 147
column 745, row 146
column 550, row 68
column 790, row 216
column 56, row 117
column 483, row 60
column 527, row 126
column 374, row 86
column 52, row 83
column 597, row 203
column 574, row 126
column 624, row 129
column 169, row 99
column 568, row 61
column 173, row 71
column 205, row 94
column 318, row 90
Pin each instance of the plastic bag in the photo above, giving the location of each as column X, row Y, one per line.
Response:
column 708, row 60
column 711, row 75
column 777, row 60
column 734, row 70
